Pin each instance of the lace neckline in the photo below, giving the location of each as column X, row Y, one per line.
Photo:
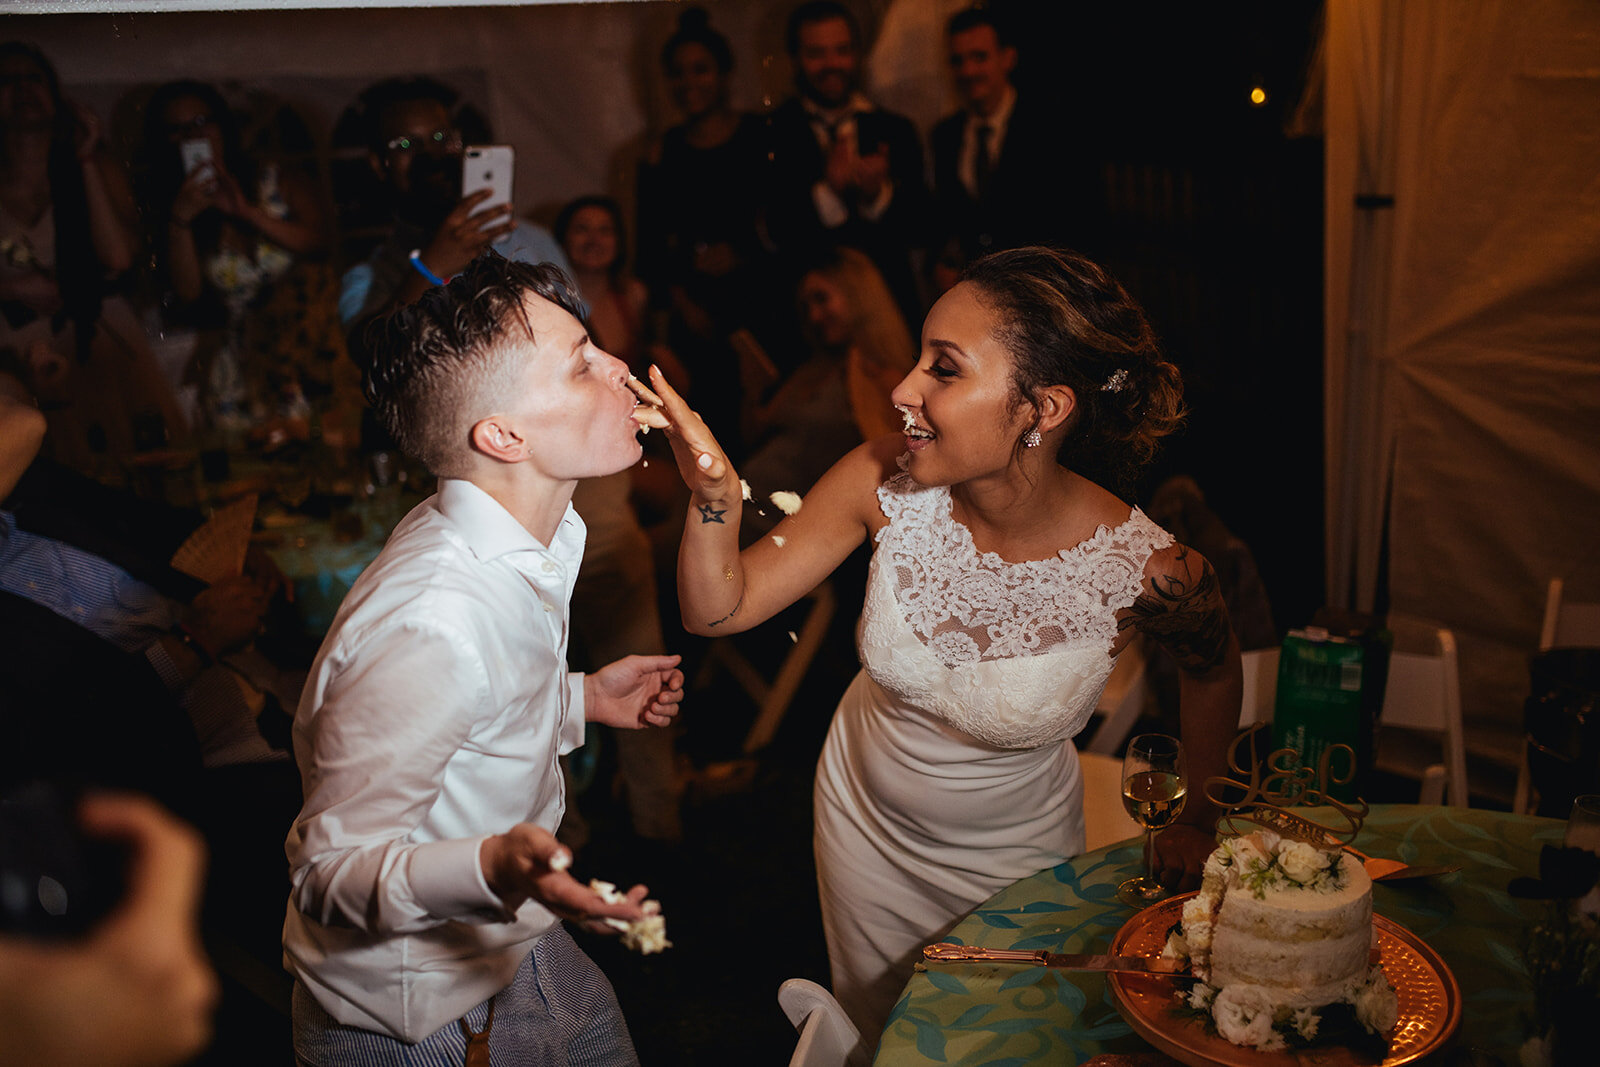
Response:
column 1103, row 536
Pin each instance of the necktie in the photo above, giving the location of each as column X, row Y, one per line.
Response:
column 983, row 164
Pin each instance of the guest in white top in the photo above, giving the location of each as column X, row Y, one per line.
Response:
column 427, row 882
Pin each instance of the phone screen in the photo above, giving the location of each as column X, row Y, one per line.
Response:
column 196, row 153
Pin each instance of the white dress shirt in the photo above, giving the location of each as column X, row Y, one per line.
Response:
column 832, row 211
column 432, row 719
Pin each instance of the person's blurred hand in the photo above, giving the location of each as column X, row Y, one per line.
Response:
column 872, row 174
column 196, row 195
column 528, row 862
column 138, row 991
column 86, row 130
column 463, row 234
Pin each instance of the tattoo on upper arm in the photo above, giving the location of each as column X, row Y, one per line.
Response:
column 730, row 614
column 1184, row 613
column 711, row 514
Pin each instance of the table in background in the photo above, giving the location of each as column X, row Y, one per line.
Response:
column 994, row 1014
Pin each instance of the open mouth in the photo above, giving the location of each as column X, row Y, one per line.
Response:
column 911, row 429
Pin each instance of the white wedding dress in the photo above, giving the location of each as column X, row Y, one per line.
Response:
column 949, row 772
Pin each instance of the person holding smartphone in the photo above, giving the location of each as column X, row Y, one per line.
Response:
column 416, row 150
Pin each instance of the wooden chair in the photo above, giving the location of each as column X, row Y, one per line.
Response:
column 1567, row 624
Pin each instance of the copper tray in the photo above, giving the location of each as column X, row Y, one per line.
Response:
column 1430, row 1000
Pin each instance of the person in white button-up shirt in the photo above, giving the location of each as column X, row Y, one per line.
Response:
column 426, row 880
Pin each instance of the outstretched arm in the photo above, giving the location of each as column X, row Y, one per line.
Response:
column 1182, row 609
column 723, row 590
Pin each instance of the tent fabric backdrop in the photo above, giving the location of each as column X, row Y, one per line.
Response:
column 1463, row 355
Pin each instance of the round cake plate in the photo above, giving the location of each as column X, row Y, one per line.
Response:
column 1430, row 1000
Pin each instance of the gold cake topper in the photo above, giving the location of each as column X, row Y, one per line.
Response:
column 1270, row 787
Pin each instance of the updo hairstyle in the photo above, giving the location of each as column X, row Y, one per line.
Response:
column 694, row 27
column 1065, row 321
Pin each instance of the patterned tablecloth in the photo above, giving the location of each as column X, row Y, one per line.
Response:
column 1004, row 1015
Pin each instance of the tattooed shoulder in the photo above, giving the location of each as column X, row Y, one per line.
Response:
column 1181, row 608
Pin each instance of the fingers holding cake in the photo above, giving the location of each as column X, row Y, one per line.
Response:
column 701, row 461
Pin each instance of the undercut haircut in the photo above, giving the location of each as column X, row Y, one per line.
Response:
column 444, row 363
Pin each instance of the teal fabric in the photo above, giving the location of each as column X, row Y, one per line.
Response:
column 1005, row 1015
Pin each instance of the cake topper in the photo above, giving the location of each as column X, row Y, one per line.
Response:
column 1271, row 786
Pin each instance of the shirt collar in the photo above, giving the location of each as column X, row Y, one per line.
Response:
column 857, row 104
column 491, row 531
column 1001, row 116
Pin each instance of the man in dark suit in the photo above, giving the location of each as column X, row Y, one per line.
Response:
column 1000, row 179
column 844, row 171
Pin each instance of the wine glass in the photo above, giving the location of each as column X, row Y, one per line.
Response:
column 1154, row 785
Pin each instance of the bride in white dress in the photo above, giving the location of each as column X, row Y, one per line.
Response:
column 1004, row 580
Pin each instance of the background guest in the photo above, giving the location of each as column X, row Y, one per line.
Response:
column 700, row 204
column 844, row 171
column 66, row 231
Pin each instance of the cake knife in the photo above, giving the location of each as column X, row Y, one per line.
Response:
column 945, row 952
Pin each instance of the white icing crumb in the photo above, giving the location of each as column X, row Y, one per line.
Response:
column 744, row 490
column 787, row 502
column 779, row 540
column 644, row 936
column 793, row 638
column 561, row 861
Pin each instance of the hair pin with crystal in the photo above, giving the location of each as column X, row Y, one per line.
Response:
column 1117, row 382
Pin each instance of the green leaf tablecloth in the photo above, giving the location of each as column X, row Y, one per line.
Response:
column 1003, row 1015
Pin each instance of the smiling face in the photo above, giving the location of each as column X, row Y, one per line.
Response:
column 25, row 98
column 571, row 403
column 963, row 414
column 697, row 84
column 982, row 67
column 826, row 62
column 826, row 310
column 591, row 239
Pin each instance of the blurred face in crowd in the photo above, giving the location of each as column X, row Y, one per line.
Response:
column 826, row 63
column 826, row 311
column 982, row 68
column 420, row 160
column 189, row 118
column 25, row 98
column 698, row 86
column 591, row 239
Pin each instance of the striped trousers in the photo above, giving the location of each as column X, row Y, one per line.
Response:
column 558, row 1010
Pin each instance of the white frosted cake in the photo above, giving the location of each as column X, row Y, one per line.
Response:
column 1279, row 929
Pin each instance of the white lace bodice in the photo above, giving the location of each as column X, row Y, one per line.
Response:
column 1014, row 654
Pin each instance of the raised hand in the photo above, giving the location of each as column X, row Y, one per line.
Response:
column 463, row 234
column 702, row 463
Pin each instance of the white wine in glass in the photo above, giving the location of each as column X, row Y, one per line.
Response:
column 1154, row 786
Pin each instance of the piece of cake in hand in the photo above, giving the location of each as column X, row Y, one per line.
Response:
column 645, row 935
column 1280, row 930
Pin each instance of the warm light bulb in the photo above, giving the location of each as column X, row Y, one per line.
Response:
column 1258, row 96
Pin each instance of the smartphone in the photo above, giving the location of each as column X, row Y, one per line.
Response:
column 195, row 153
column 487, row 166
column 54, row 881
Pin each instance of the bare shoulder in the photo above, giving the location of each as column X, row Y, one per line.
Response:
column 1181, row 608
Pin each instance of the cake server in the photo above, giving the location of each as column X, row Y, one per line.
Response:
column 945, row 952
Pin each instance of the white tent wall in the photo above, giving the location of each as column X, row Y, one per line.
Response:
column 1463, row 333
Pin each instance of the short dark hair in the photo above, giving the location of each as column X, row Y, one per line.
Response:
column 1066, row 321
column 970, row 18
column 441, row 364
column 377, row 100
column 694, row 27
column 813, row 11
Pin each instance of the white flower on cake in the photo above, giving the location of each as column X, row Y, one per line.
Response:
column 1305, row 1023
column 1302, row 862
column 1244, row 1016
column 787, row 502
column 645, row 935
column 1377, row 1005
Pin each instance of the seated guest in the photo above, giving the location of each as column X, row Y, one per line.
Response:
column 415, row 149
column 998, row 175
column 839, row 397
column 66, row 232
column 427, row 881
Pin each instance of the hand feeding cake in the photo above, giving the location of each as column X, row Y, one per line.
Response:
column 1281, row 929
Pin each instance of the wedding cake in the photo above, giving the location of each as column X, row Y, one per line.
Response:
column 1279, row 930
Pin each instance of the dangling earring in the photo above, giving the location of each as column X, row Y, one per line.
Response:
column 1032, row 439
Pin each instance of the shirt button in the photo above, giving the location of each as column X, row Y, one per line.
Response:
column 549, row 568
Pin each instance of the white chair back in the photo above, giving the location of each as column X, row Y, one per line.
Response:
column 1423, row 693
column 827, row 1036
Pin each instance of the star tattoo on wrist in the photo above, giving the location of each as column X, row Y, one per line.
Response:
column 711, row 514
